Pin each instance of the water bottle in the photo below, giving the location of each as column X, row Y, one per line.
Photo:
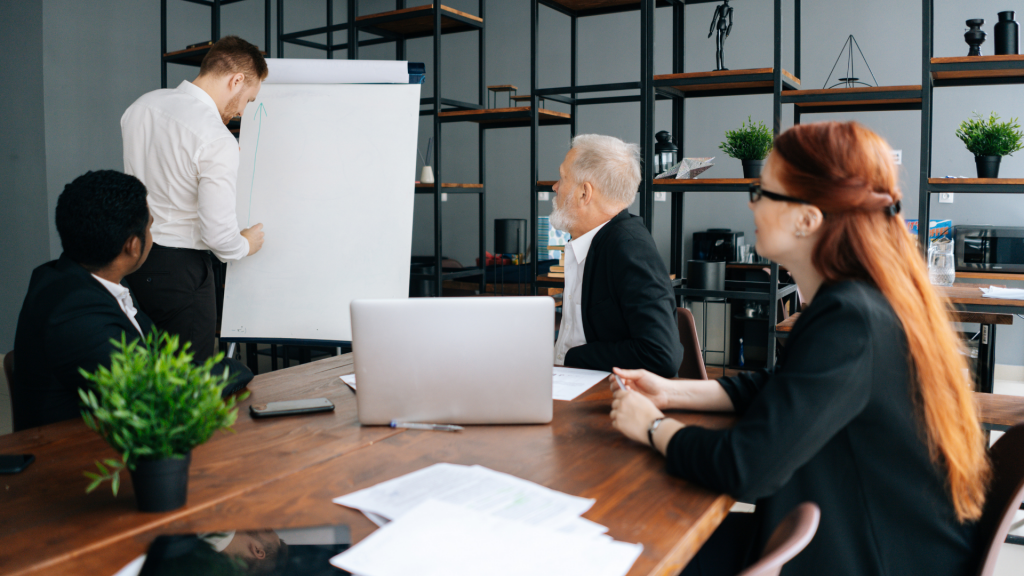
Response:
column 742, row 361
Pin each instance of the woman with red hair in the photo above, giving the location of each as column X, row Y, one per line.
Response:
column 867, row 413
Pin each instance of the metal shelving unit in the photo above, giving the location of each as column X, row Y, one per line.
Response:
column 194, row 56
column 956, row 71
column 398, row 26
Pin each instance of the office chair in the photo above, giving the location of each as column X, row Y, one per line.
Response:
column 9, row 372
column 692, row 366
column 1004, row 497
column 791, row 536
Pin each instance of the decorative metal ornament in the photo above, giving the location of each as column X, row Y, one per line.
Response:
column 718, row 22
column 851, row 80
column 975, row 36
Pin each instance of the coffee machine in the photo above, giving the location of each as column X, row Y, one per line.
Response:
column 717, row 245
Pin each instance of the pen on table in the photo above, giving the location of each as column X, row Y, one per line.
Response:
column 619, row 380
column 418, row 426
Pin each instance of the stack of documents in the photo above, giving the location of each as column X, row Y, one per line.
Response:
column 451, row 519
column 566, row 383
column 1003, row 293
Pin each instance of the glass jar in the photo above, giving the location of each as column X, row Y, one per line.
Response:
column 941, row 263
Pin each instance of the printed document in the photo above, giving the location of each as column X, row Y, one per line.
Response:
column 568, row 383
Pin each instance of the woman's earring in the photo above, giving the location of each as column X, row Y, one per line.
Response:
column 798, row 233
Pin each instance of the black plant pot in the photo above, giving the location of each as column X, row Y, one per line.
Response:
column 161, row 485
column 988, row 166
column 752, row 168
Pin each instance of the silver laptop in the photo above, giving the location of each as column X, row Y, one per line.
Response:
column 454, row 360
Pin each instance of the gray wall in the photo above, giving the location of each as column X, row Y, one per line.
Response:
column 23, row 214
column 89, row 60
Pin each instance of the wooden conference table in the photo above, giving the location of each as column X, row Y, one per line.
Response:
column 283, row 473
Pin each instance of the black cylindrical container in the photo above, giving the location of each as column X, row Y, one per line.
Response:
column 1007, row 33
column 161, row 485
column 509, row 236
column 752, row 168
column 988, row 166
column 704, row 275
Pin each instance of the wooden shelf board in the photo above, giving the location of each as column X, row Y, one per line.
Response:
column 502, row 88
column 192, row 56
column 449, row 185
column 600, row 6
column 972, row 294
column 967, row 181
column 981, row 72
column 1019, row 276
column 872, row 96
column 711, row 76
column 418, row 21
column 513, row 116
column 857, row 90
column 704, row 181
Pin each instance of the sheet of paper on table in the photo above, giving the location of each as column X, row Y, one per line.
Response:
column 1003, row 293
column 477, row 488
column 443, row 539
column 568, row 383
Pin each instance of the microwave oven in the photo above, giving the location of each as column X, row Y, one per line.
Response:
column 992, row 248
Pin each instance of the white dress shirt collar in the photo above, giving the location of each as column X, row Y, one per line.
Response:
column 193, row 90
column 124, row 300
column 581, row 245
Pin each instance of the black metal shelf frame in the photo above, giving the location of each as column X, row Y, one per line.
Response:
column 190, row 58
column 928, row 85
column 371, row 24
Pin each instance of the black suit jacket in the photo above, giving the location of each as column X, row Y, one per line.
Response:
column 628, row 305
column 66, row 323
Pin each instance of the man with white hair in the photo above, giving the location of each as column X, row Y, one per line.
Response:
column 618, row 309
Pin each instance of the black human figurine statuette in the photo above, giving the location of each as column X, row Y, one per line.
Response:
column 718, row 21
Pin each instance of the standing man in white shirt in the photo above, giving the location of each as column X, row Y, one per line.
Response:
column 618, row 308
column 177, row 143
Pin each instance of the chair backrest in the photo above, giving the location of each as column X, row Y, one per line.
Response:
column 692, row 366
column 9, row 372
column 1004, row 497
column 791, row 536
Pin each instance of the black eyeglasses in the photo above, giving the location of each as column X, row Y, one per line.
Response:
column 756, row 193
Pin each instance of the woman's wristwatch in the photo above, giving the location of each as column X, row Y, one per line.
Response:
column 652, row 428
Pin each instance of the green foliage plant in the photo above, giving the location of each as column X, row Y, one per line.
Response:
column 748, row 142
column 153, row 403
column 990, row 137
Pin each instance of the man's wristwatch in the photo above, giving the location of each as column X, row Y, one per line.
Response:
column 650, row 430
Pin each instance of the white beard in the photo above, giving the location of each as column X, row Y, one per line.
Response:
column 561, row 218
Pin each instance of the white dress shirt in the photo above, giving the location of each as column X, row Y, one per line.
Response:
column 176, row 143
column 570, row 331
column 124, row 299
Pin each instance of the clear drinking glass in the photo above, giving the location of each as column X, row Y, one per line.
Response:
column 941, row 263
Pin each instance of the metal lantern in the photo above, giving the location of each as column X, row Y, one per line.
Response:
column 665, row 152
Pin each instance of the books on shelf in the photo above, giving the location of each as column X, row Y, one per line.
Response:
column 557, row 269
column 556, row 274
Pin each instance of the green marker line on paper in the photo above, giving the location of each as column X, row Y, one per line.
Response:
column 260, row 109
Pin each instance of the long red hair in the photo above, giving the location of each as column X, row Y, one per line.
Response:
column 847, row 171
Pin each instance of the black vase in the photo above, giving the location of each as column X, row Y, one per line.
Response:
column 988, row 166
column 161, row 485
column 752, row 168
column 975, row 36
column 1007, row 33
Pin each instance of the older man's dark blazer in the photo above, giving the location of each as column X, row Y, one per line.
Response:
column 628, row 305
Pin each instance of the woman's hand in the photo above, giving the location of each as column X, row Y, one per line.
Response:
column 632, row 414
column 651, row 386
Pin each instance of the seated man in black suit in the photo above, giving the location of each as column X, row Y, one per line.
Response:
column 76, row 304
column 618, row 308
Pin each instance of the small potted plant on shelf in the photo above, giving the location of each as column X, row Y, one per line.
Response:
column 750, row 143
column 990, row 140
column 153, row 406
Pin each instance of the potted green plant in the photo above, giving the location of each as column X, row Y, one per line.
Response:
column 990, row 140
column 750, row 143
column 153, row 406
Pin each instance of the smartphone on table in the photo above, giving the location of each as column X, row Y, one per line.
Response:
column 289, row 407
column 14, row 463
